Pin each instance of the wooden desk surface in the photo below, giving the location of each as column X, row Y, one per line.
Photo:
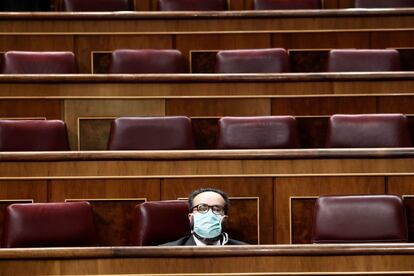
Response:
column 229, row 21
column 194, row 85
column 340, row 259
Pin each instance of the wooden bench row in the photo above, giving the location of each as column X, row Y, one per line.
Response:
column 275, row 188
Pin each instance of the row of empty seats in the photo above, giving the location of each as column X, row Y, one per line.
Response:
column 175, row 133
column 207, row 5
column 142, row 61
column 337, row 219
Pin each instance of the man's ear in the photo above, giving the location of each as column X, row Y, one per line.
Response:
column 191, row 219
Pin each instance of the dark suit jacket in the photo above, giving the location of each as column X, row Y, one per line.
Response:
column 189, row 240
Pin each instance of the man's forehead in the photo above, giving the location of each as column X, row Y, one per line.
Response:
column 209, row 197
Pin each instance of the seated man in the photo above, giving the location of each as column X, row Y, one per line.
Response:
column 208, row 215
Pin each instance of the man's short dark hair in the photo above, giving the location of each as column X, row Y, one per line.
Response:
column 202, row 190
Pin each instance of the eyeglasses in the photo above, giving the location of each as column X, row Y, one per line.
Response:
column 203, row 208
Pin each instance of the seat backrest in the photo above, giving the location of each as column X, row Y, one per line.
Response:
column 22, row 62
column 158, row 222
column 275, row 60
column 145, row 61
column 383, row 3
column 97, row 5
column 368, row 131
column 33, row 135
column 286, row 4
column 365, row 218
column 351, row 60
column 268, row 132
column 49, row 225
column 192, row 5
column 151, row 133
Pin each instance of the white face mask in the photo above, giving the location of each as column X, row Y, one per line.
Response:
column 207, row 225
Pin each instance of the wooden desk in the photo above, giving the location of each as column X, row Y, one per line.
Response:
column 186, row 31
column 341, row 259
column 275, row 188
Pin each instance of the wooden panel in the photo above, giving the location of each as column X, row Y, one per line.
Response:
column 217, row 107
column 286, row 187
column 312, row 106
column 187, row 42
column 301, row 217
column 234, row 187
column 323, row 40
column 23, row 189
column 205, row 132
column 113, row 220
column 94, row 133
column 312, row 131
column 308, row 61
column 396, row 104
column 409, row 209
column 36, row 43
column 60, row 189
column 15, row 108
column 392, row 39
column 75, row 109
column 84, row 45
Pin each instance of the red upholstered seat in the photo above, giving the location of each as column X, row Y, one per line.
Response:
column 158, row 222
column 384, row 3
column 273, row 60
column 192, row 5
column 33, row 135
column 268, row 132
column 49, row 224
column 97, row 5
column 366, row 218
column 144, row 61
column 286, row 4
column 368, row 131
column 22, row 62
column 151, row 133
column 351, row 60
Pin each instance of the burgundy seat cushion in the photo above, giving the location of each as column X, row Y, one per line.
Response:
column 192, row 5
column 384, row 3
column 368, row 131
column 144, row 61
column 49, row 224
column 273, row 60
column 257, row 132
column 151, row 133
column 368, row 218
column 19, row 62
column 363, row 60
column 97, row 5
column 286, row 4
column 33, row 135
column 158, row 222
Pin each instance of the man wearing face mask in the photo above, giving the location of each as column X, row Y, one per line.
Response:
column 207, row 215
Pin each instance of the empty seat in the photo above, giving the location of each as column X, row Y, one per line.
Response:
column 49, row 224
column 273, row 60
column 350, row 60
column 368, row 131
column 145, row 61
column 192, row 5
column 33, row 135
column 22, row 62
column 366, row 218
column 270, row 132
column 151, row 133
column 97, row 5
column 384, row 3
column 286, row 4
column 158, row 222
